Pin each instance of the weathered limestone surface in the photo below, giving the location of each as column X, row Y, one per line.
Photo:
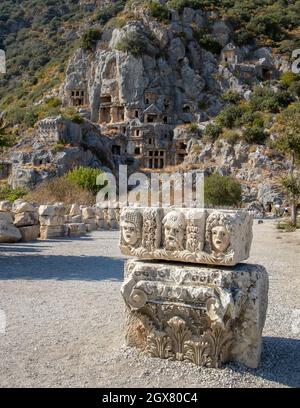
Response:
column 26, row 219
column 30, row 233
column 8, row 232
column 186, row 235
column 52, row 220
column 50, row 232
column 75, row 229
column 52, row 210
column 205, row 315
column 5, row 206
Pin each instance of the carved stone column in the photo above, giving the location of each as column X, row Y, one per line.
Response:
column 205, row 315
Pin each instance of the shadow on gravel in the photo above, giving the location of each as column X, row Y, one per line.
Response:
column 86, row 268
column 280, row 362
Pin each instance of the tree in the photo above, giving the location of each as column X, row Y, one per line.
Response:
column 222, row 190
column 289, row 143
column 86, row 178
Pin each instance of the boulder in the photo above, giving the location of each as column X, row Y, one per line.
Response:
column 5, row 218
column 5, row 206
column 20, row 206
column 52, row 210
column 75, row 229
column 9, row 233
column 30, row 233
column 26, row 219
column 75, row 210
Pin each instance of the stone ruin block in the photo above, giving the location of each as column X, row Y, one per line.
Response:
column 30, row 233
column 204, row 315
column 52, row 210
column 186, row 235
column 52, row 221
column 9, row 233
column 51, row 232
column 26, row 219
column 75, row 229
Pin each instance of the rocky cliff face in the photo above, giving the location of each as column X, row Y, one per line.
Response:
column 144, row 92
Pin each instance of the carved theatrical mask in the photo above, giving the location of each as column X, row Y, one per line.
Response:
column 130, row 234
column 174, row 228
column 131, row 225
column 218, row 230
column 220, row 239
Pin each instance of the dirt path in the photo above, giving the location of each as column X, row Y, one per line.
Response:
column 65, row 314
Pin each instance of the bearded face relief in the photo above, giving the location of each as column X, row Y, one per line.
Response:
column 220, row 239
column 174, row 228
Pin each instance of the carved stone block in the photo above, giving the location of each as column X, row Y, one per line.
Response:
column 205, row 315
column 186, row 235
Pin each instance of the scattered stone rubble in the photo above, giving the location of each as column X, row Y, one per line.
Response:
column 24, row 221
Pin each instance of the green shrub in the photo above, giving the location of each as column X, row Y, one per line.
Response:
column 193, row 127
column 222, row 191
column 85, row 177
column 110, row 11
column 132, row 43
column 231, row 96
column 265, row 99
column 71, row 114
column 207, row 42
column 212, row 132
column 288, row 78
column 53, row 103
column 254, row 135
column 231, row 137
column 6, row 140
column 202, row 104
column 10, row 194
column 179, row 5
column 159, row 11
column 295, row 88
column 59, row 146
column 250, row 118
column 90, row 39
column 229, row 115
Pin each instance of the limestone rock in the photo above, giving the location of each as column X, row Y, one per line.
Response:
column 26, row 219
column 54, row 220
column 91, row 226
column 87, row 213
column 75, row 229
column 75, row 210
column 20, row 206
column 30, row 233
column 52, row 210
column 5, row 206
column 9, row 233
column 51, row 232
column 186, row 235
column 5, row 218
column 207, row 316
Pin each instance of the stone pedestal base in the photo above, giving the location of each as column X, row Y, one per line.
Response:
column 205, row 315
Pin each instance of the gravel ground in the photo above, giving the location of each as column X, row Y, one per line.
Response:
column 64, row 319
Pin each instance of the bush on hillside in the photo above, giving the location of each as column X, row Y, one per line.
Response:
column 86, row 178
column 222, row 191
column 133, row 43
